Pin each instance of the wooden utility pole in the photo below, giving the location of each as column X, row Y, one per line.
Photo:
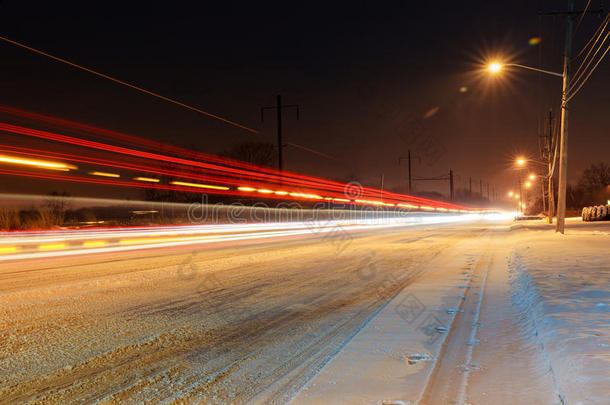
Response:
column 451, row 193
column 409, row 161
column 563, row 145
column 278, row 108
column 563, row 127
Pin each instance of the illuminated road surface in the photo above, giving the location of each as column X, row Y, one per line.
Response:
column 45, row 244
column 254, row 321
column 201, row 324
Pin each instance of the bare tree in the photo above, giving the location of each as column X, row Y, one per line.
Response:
column 595, row 178
column 258, row 153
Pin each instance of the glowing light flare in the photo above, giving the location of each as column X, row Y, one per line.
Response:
column 52, row 246
column 94, row 243
column 534, row 41
column 246, row 189
column 198, row 185
column 147, row 179
column 520, row 161
column 105, row 174
column 510, row 194
column 7, row 249
column 495, row 67
column 528, row 184
column 407, row 205
column 532, row 176
column 43, row 164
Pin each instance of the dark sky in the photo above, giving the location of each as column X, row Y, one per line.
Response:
column 364, row 74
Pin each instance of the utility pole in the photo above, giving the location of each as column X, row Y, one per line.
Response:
column 278, row 108
column 451, row 194
column 551, row 190
column 409, row 161
column 520, row 196
column 563, row 145
column 408, row 158
column 563, row 142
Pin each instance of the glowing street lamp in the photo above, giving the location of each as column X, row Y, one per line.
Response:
column 532, row 176
column 528, row 184
column 510, row 193
column 495, row 67
column 520, row 162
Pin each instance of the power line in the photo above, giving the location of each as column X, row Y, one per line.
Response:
column 150, row 93
column 581, row 76
column 573, row 93
column 584, row 12
column 586, row 61
column 601, row 27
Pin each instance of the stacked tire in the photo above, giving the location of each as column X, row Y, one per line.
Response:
column 596, row 213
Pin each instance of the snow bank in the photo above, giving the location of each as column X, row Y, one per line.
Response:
column 561, row 290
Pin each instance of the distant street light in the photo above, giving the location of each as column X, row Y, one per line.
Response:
column 532, row 176
column 528, row 184
column 510, row 193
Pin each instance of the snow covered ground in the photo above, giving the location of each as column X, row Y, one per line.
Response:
column 522, row 315
column 481, row 312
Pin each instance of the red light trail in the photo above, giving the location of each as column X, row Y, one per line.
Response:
column 197, row 172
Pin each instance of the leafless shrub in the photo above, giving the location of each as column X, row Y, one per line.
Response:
column 9, row 219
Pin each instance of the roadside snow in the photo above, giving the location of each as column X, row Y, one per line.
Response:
column 561, row 287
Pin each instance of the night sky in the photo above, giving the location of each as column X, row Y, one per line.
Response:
column 365, row 75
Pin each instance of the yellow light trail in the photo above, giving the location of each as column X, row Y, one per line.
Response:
column 8, row 249
column 52, row 246
column 94, row 243
column 148, row 179
column 197, row 185
column 104, row 174
column 246, row 189
column 264, row 191
column 38, row 163
column 281, row 192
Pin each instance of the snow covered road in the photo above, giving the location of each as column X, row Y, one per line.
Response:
column 457, row 313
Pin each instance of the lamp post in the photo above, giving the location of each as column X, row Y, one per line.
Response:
column 521, row 161
column 496, row 67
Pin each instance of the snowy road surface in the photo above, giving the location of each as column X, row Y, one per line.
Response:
column 478, row 313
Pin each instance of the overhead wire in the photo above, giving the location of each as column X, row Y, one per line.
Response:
column 598, row 34
column 582, row 75
column 584, row 12
column 573, row 92
column 140, row 89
